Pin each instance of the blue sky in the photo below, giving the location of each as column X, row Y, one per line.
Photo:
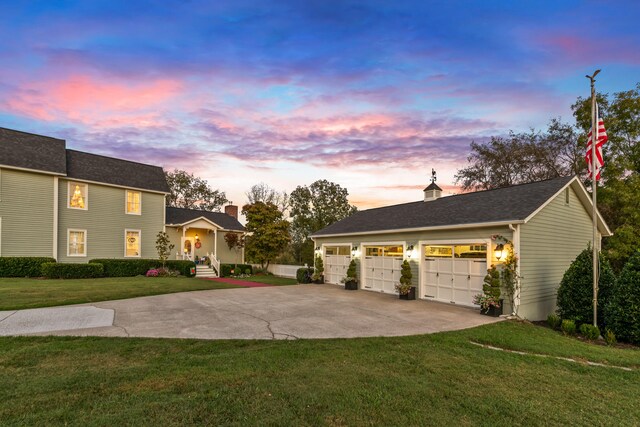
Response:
column 369, row 94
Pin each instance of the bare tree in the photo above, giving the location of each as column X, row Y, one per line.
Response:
column 265, row 194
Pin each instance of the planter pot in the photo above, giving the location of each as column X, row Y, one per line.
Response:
column 411, row 295
column 493, row 311
column 351, row 286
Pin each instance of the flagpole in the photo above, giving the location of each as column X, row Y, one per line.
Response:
column 594, row 141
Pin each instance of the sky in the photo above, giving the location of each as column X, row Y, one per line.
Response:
column 370, row 95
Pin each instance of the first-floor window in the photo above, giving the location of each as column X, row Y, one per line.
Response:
column 77, row 243
column 132, row 243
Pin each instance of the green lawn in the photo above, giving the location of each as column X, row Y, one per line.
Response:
column 438, row 379
column 31, row 293
column 271, row 280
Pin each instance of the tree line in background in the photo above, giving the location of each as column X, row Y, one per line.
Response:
column 559, row 150
column 279, row 225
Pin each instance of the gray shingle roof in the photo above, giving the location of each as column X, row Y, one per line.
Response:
column 30, row 151
column 92, row 167
column 505, row 204
column 181, row 215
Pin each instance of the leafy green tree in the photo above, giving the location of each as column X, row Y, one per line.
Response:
column 314, row 207
column 268, row 232
column 164, row 247
column 522, row 157
column 189, row 191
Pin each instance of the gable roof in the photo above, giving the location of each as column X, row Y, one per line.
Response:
column 179, row 216
column 30, row 151
column 109, row 170
column 515, row 204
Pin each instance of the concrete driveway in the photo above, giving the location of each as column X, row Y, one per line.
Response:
column 283, row 312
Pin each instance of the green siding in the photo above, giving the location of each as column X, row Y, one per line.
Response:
column 26, row 209
column 412, row 238
column 106, row 221
column 549, row 243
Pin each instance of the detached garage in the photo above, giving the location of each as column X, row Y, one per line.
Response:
column 450, row 242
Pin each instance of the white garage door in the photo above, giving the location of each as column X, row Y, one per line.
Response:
column 382, row 266
column 453, row 273
column 336, row 260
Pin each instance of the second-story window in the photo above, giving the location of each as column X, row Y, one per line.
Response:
column 133, row 202
column 78, row 196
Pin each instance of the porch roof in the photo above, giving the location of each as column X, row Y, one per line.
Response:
column 183, row 216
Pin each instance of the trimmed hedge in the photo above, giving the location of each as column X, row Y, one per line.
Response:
column 304, row 274
column 225, row 269
column 22, row 266
column 622, row 313
column 138, row 267
column 575, row 294
column 54, row 270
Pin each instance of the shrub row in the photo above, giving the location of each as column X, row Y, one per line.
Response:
column 137, row 267
column 22, row 266
column 54, row 270
column 304, row 274
column 226, row 269
column 618, row 299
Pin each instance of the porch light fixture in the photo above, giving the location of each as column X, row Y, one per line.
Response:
column 499, row 251
column 196, row 236
column 409, row 251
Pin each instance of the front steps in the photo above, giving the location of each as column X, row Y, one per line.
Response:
column 204, row 271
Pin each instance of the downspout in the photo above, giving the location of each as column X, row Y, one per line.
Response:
column 516, row 251
column 55, row 218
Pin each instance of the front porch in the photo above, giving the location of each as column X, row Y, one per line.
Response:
column 202, row 241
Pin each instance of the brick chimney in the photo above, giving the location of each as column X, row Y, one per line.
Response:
column 231, row 210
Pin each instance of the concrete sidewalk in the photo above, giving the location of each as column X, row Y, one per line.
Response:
column 280, row 312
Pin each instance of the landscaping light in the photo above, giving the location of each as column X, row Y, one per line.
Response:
column 499, row 251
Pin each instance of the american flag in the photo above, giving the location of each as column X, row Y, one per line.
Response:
column 602, row 138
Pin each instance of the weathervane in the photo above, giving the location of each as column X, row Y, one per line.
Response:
column 433, row 175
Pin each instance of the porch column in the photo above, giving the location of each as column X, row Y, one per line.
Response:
column 184, row 235
column 215, row 243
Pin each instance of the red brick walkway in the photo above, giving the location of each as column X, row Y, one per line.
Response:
column 238, row 282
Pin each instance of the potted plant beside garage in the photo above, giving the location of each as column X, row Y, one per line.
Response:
column 351, row 279
column 489, row 301
column 404, row 288
column 318, row 276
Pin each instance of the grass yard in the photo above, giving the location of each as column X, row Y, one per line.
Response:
column 31, row 293
column 438, row 379
column 271, row 280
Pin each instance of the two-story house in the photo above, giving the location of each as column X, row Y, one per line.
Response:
column 75, row 206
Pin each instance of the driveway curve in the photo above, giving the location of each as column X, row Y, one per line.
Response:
column 283, row 312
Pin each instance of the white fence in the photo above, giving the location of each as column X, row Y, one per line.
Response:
column 282, row 270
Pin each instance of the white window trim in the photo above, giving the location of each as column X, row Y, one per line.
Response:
column 86, row 196
column 126, row 202
column 69, row 230
column 130, row 230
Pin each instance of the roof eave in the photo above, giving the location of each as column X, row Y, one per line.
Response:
column 432, row 228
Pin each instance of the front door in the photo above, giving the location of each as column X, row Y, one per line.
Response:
column 188, row 246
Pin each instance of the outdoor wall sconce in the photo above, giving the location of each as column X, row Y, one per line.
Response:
column 354, row 252
column 196, row 236
column 499, row 251
column 409, row 251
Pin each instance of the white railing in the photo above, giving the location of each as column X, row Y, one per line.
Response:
column 215, row 262
column 282, row 270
